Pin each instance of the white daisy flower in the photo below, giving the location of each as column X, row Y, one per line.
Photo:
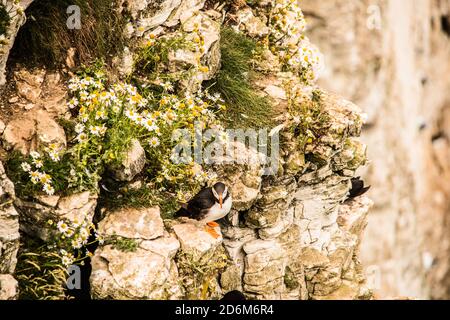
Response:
column 62, row 227
column 131, row 114
column 66, row 260
column 77, row 243
column 54, row 155
column 35, row 175
column 73, row 103
column 82, row 137
column 35, row 154
column 38, row 163
column 154, row 142
column 95, row 130
column 48, row 189
column 26, row 167
column 84, row 95
column 79, row 128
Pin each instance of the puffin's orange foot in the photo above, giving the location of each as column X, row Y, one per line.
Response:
column 212, row 232
column 212, row 224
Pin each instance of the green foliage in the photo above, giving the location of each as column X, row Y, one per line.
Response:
column 152, row 58
column 145, row 196
column 42, row 267
column 45, row 37
column 65, row 180
column 311, row 121
column 197, row 273
column 5, row 19
column 39, row 271
column 123, row 244
column 245, row 108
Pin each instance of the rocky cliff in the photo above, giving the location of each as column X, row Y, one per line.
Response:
column 392, row 59
column 87, row 151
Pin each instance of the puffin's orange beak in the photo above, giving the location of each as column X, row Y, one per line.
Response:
column 220, row 201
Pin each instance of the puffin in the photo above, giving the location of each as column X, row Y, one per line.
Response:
column 358, row 188
column 207, row 206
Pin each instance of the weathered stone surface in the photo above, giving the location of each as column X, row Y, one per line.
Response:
column 9, row 288
column 166, row 246
column 141, row 274
column 148, row 272
column 253, row 26
column 288, row 236
column 131, row 223
column 243, row 178
column 230, row 279
column 29, row 83
column 9, row 238
column 387, row 63
column 209, row 56
column 17, row 20
column 152, row 13
column 9, row 225
column 133, row 163
column 194, row 239
column 185, row 10
column 31, row 131
column 34, row 215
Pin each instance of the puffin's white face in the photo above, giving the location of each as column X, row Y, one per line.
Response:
column 220, row 196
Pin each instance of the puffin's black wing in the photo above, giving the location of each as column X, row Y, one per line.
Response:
column 183, row 212
column 201, row 203
column 358, row 188
column 198, row 206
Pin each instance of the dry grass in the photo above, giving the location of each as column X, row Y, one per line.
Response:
column 45, row 38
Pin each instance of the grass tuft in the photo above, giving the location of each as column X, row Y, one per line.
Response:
column 39, row 272
column 245, row 108
column 45, row 38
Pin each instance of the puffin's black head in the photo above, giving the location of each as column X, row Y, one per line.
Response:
column 219, row 191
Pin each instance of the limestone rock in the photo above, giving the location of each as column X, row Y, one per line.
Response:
column 131, row 223
column 17, row 20
column 141, row 274
column 9, row 225
column 32, row 131
column 253, row 25
column 125, row 62
column 244, row 177
column 29, row 84
column 166, row 246
column 183, row 59
column 152, row 14
column 264, row 268
column 230, row 279
column 9, row 288
column 148, row 272
column 34, row 215
column 185, row 10
column 133, row 163
column 194, row 239
column 9, row 238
